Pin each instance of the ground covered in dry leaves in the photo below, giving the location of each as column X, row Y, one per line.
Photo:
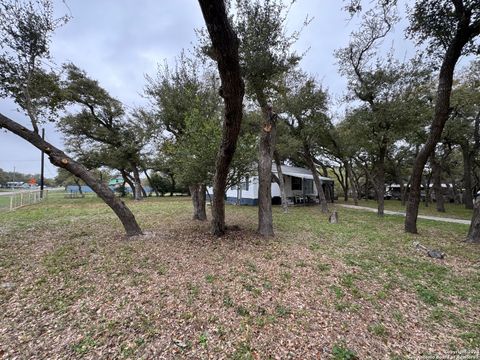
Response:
column 73, row 287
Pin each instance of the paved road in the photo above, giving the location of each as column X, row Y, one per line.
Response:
column 426, row 217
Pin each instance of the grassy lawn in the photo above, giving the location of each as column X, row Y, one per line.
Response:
column 72, row 286
column 451, row 210
column 4, row 202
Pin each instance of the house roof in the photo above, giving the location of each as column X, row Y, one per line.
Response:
column 114, row 181
column 298, row 172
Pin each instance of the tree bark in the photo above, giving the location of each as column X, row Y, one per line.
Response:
column 126, row 179
column 474, row 231
column 403, row 191
column 467, row 176
column 353, row 183
column 198, row 192
column 380, row 184
column 428, row 198
column 342, row 180
column 281, row 182
column 346, row 189
column 77, row 182
column 463, row 34
column 137, row 194
column 225, row 44
column 60, row 159
column 266, row 149
column 172, row 180
column 150, row 182
column 437, row 184
column 316, row 179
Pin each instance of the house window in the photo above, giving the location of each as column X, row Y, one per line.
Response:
column 244, row 184
column 296, row 183
column 308, row 186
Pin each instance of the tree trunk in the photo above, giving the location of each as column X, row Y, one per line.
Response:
column 346, row 189
column 266, row 149
column 316, row 179
column 137, row 194
column 342, row 180
column 79, row 187
column 474, row 231
column 403, row 192
column 428, row 198
column 225, row 44
column 60, row 159
column 380, row 185
column 437, row 184
column 353, row 184
column 467, row 176
column 172, row 180
column 281, row 182
column 463, row 34
column 456, row 196
column 126, row 179
column 366, row 186
column 198, row 192
column 328, row 191
column 150, row 182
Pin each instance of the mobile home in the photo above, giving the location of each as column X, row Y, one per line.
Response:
column 299, row 188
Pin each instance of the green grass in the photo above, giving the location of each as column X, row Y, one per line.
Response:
column 75, row 273
column 4, row 202
column 456, row 211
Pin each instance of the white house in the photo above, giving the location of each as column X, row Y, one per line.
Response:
column 299, row 188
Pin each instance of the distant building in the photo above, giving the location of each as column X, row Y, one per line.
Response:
column 17, row 185
column 299, row 188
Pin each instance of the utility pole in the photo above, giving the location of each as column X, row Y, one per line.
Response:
column 42, row 166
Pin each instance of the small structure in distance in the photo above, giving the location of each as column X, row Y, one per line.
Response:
column 299, row 188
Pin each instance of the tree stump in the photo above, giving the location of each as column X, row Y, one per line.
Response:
column 333, row 219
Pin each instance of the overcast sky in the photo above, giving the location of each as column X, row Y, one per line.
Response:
column 118, row 42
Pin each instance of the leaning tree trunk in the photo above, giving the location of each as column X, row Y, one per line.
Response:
column 281, row 182
column 342, row 180
column 198, row 192
column 353, row 184
column 128, row 180
column 60, row 159
column 266, row 149
column 437, row 184
column 463, row 34
column 467, row 176
column 316, row 179
column 225, row 45
column 150, row 182
column 474, row 231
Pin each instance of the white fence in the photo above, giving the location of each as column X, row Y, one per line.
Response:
column 13, row 200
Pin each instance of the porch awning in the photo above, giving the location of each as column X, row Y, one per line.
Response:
column 299, row 172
